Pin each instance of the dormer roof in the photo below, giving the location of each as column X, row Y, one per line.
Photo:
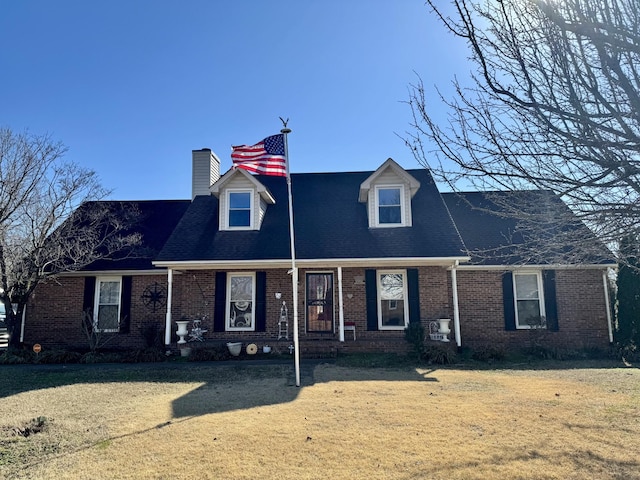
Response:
column 232, row 175
column 396, row 169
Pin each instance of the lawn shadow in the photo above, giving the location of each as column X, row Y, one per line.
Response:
column 252, row 388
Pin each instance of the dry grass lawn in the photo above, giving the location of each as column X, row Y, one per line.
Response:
column 205, row 421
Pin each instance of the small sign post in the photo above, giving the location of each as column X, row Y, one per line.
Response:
column 37, row 348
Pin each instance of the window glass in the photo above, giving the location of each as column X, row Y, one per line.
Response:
column 107, row 312
column 240, row 302
column 389, row 208
column 391, row 294
column 240, row 209
column 528, row 304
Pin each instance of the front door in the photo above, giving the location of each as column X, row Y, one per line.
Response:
column 319, row 302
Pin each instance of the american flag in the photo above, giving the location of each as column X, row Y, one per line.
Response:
column 266, row 157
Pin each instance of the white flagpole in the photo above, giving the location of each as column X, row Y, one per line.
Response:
column 294, row 270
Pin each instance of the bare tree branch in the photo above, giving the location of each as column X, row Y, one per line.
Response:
column 48, row 225
column 553, row 103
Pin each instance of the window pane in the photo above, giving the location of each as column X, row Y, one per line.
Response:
column 240, row 200
column 109, row 293
column 239, row 218
column 529, row 312
column 527, row 287
column 241, row 288
column 389, row 215
column 392, row 313
column 391, row 286
column 389, row 196
column 108, row 317
column 241, row 314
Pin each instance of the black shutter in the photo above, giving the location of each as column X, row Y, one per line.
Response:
column 125, row 305
column 219, row 302
column 261, row 301
column 87, row 302
column 413, row 290
column 508, row 300
column 372, row 299
column 550, row 303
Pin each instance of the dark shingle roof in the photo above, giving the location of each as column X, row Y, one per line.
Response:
column 329, row 223
column 550, row 233
column 154, row 220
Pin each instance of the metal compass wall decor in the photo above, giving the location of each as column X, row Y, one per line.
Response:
column 154, row 296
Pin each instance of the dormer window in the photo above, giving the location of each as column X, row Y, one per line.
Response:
column 388, row 192
column 243, row 200
column 389, row 205
column 240, row 214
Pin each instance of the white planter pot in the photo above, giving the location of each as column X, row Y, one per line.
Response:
column 234, row 348
column 443, row 328
column 182, row 331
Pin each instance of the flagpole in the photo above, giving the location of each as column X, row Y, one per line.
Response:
column 294, row 270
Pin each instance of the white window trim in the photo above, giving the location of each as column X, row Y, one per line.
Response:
column 405, row 298
column 538, row 275
column 403, row 209
column 252, row 213
column 227, row 307
column 96, row 303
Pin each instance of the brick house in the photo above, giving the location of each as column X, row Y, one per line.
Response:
column 375, row 251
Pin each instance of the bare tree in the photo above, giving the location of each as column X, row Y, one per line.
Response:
column 43, row 232
column 553, row 103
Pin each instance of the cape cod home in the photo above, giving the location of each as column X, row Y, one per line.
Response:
column 375, row 250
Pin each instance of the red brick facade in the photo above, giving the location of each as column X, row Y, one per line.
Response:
column 54, row 312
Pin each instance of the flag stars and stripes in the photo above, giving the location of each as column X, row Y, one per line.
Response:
column 266, row 157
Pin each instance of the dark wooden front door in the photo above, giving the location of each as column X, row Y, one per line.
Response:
column 319, row 302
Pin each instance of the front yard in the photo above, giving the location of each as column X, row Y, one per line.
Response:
column 245, row 421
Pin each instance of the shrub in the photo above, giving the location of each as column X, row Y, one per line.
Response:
column 13, row 356
column 149, row 354
column 438, row 354
column 58, row 356
column 488, row 353
column 209, row 354
column 414, row 334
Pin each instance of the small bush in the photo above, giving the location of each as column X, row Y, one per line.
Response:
column 628, row 353
column 209, row 354
column 488, row 353
column 149, row 354
column 99, row 357
column 438, row 354
column 58, row 356
column 14, row 356
column 414, row 334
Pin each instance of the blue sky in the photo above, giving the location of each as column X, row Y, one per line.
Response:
column 132, row 86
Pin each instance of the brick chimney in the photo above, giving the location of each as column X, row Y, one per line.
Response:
column 205, row 171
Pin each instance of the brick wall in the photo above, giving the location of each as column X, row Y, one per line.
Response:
column 582, row 316
column 55, row 310
column 54, row 314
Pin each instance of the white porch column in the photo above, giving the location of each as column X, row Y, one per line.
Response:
column 607, row 304
column 456, row 311
column 167, row 325
column 340, row 305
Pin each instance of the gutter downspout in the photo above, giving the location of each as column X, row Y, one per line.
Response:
column 340, row 305
column 607, row 305
column 167, row 324
column 24, row 318
column 456, row 311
